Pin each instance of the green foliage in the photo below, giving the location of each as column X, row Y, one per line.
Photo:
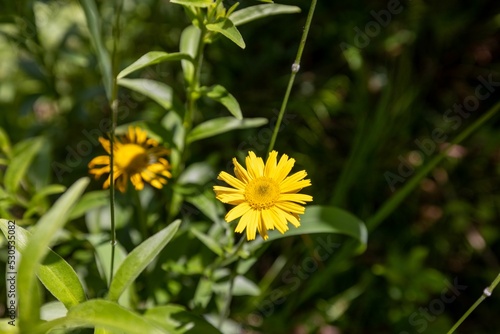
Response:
column 373, row 117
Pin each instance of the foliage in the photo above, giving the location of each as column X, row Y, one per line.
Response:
column 393, row 115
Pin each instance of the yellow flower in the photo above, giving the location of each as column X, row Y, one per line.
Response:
column 136, row 157
column 264, row 195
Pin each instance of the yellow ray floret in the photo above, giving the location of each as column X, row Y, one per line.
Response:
column 265, row 197
column 136, row 158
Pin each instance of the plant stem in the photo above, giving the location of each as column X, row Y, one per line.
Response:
column 486, row 293
column 225, row 312
column 295, row 70
column 141, row 216
column 114, row 111
column 390, row 205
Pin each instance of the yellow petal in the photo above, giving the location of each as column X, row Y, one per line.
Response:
column 299, row 198
column 237, row 211
column 290, row 207
column 270, row 168
column 231, row 180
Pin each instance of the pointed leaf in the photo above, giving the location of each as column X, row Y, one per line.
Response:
column 55, row 273
column 229, row 30
column 89, row 201
column 155, row 90
column 221, row 95
column 190, row 39
column 220, row 125
column 175, row 316
column 139, row 259
column 196, row 3
column 25, row 152
column 37, row 248
column 151, row 58
column 103, row 314
column 208, row 241
column 325, row 219
column 252, row 13
column 94, row 25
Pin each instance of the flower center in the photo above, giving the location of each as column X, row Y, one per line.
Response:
column 261, row 193
column 132, row 158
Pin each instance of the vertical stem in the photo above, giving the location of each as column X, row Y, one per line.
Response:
column 114, row 111
column 295, row 70
column 225, row 312
column 486, row 293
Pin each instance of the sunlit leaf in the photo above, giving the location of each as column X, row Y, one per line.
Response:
column 190, row 39
column 229, row 30
column 151, row 58
column 37, row 248
column 25, row 152
column 221, row 95
column 196, row 3
column 156, row 90
column 139, row 259
column 252, row 13
column 55, row 273
column 325, row 219
column 221, row 125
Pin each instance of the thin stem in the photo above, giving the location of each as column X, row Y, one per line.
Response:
column 114, row 111
column 141, row 216
column 226, row 310
column 295, row 70
column 486, row 293
column 390, row 205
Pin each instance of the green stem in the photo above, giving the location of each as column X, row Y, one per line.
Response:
column 295, row 70
column 141, row 215
column 114, row 111
column 390, row 205
column 226, row 310
column 486, row 293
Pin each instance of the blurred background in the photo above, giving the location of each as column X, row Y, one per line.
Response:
column 383, row 87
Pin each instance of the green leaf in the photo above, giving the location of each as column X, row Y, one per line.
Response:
column 24, row 153
column 208, row 241
column 252, row 13
column 55, row 273
column 89, row 201
column 203, row 292
column 196, row 3
column 94, row 24
column 221, row 95
column 155, row 90
column 139, row 258
column 227, row 28
column 37, row 248
column 175, row 316
column 221, row 125
column 103, row 314
column 5, row 143
column 324, row 219
column 151, row 58
column 190, row 39
column 244, row 287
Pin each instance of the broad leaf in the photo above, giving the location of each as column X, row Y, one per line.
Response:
column 151, row 58
column 25, row 152
column 103, row 314
column 229, row 30
column 139, row 259
column 324, row 219
column 221, row 95
column 55, row 273
column 252, row 13
column 221, row 125
column 37, row 248
column 158, row 91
